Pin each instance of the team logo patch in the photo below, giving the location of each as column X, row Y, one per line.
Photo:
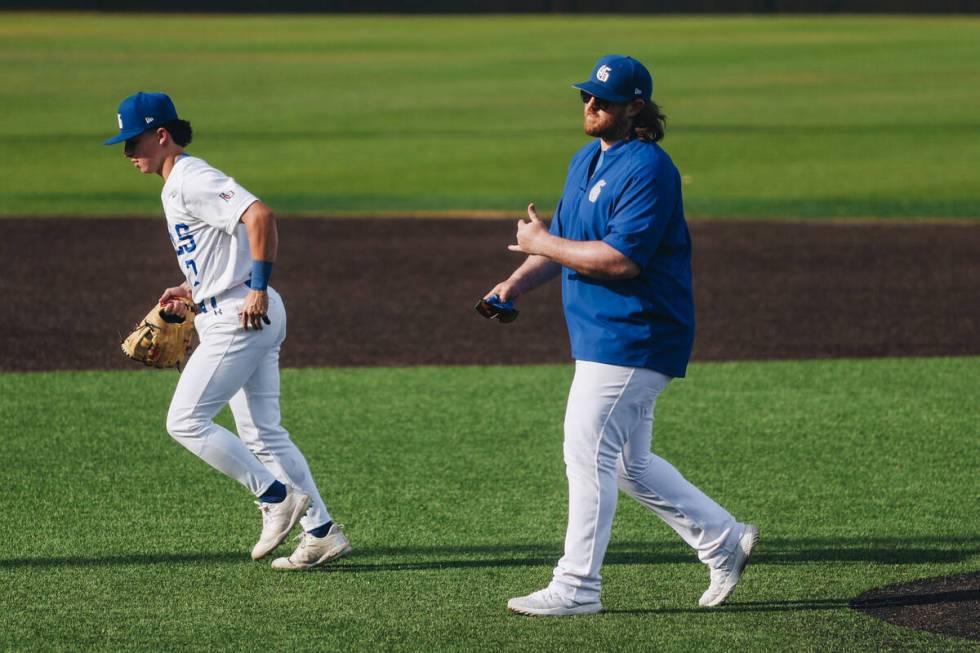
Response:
column 119, row 120
column 603, row 74
column 594, row 193
column 227, row 195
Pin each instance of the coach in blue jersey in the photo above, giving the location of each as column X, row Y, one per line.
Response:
column 621, row 244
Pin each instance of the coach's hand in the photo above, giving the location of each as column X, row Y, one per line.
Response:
column 506, row 290
column 531, row 235
column 256, row 309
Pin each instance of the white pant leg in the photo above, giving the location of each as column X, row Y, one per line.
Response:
column 706, row 527
column 225, row 359
column 608, row 423
column 604, row 404
column 258, row 419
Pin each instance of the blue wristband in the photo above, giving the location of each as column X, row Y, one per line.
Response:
column 261, row 271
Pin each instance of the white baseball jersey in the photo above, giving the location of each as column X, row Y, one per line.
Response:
column 231, row 365
column 203, row 208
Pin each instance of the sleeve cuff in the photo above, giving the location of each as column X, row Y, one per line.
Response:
column 622, row 246
column 239, row 212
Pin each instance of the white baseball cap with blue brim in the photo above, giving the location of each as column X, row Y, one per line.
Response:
column 617, row 78
column 140, row 112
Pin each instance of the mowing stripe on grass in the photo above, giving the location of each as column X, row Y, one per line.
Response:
column 813, row 117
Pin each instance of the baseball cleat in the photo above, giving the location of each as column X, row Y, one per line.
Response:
column 315, row 551
column 278, row 520
column 726, row 577
column 547, row 603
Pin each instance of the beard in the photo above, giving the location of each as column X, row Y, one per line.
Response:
column 607, row 126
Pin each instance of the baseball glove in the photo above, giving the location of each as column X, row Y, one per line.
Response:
column 162, row 340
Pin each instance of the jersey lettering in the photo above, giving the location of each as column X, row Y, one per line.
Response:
column 210, row 242
column 184, row 234
column 594, row 193
column 192, row 266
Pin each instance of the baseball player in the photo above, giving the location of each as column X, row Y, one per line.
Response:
column 619, row 240
column 226, row 243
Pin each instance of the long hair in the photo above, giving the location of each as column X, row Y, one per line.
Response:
column 650, row 124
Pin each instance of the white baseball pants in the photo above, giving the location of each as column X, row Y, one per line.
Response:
column 241, row 368
column 608, row 433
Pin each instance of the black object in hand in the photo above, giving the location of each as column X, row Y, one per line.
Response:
column 494, row 309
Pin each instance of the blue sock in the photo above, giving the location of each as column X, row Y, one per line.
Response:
column 275, row 493
column 321, row 531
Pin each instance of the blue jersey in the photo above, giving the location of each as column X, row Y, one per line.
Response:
column 632, row 202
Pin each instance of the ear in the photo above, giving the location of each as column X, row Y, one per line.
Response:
column 634, row 108
column 163, row 136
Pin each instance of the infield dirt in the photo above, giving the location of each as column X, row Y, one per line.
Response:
column 363, row 291
column 400, row 291
column 948, row 605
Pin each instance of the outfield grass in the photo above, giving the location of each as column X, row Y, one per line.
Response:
column 769, row 116
column 450, row 482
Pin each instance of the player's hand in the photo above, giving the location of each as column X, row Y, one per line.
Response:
column 531, row 235
column 256, row 309
column 170, row 301
column 506, row 291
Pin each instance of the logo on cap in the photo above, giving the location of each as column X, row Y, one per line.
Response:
column 149, row 119
column 603, row 74
column 119, row 119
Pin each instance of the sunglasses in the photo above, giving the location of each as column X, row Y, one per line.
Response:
column 600, row 104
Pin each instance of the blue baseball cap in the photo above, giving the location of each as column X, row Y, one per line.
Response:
column 140, row 112
column 618, row 78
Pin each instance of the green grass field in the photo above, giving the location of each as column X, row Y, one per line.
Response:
column 769, row 117
column 450, row 482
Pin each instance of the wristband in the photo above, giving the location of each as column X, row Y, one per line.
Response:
column 261, row 271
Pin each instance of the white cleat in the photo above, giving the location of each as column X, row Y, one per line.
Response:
column 315, row 551
column 547, row 603
column 726, row 577
column 278, row 519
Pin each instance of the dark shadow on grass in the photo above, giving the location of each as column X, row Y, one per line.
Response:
column 772, row 551
column 125, row 560
column 818, row 604
column 751, row 606
column 955, row 596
